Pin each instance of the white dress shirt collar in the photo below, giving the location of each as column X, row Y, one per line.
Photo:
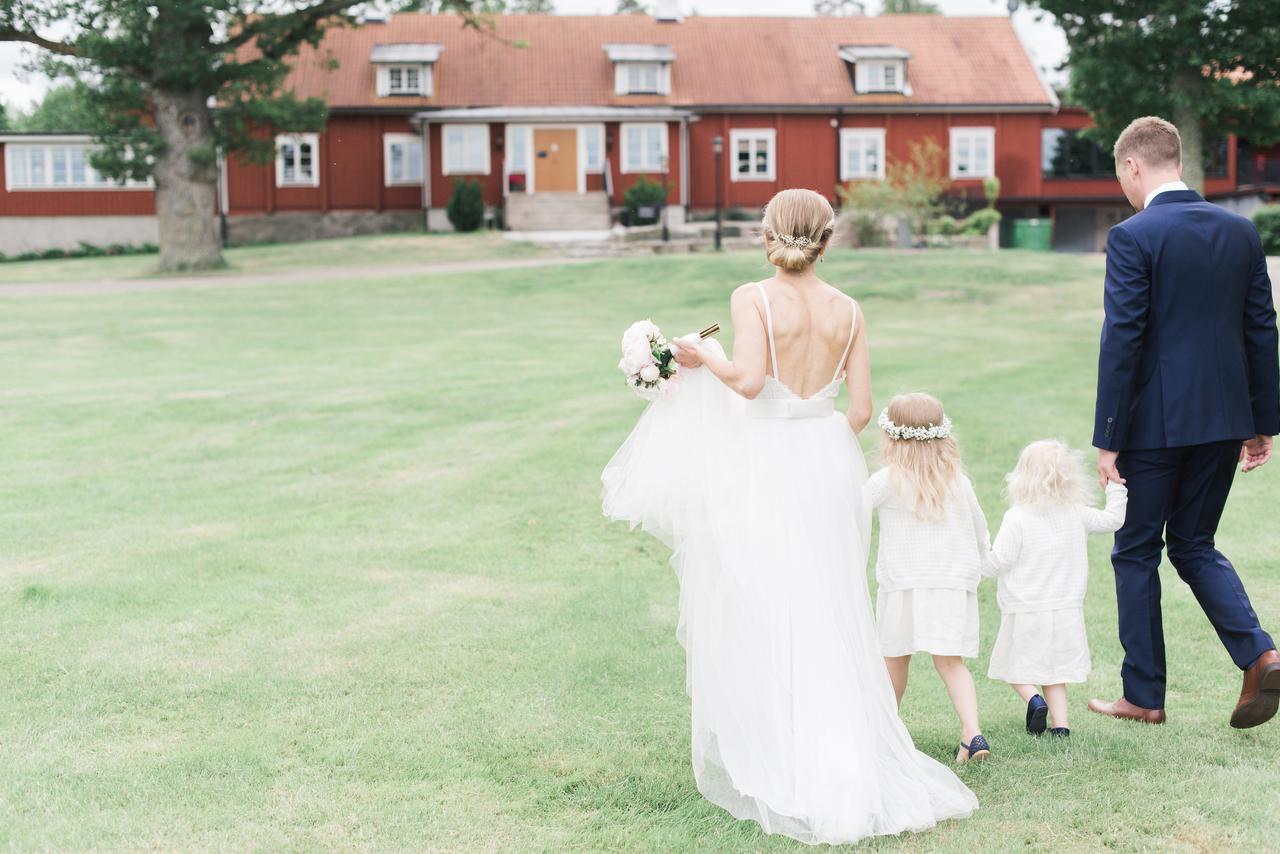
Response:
column 1166, row 187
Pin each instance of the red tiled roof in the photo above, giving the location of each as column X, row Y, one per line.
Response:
column 555, row 60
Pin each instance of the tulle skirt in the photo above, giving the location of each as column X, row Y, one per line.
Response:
column 794, row 720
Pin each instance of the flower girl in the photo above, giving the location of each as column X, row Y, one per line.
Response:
column 1041, row 557
column 933, row 548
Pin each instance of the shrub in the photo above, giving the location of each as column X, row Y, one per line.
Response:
column 743, row 215
column 645, row 193
column 865, row 229
column 466, row 205
column 913, row 189
column 980, row 221
column 53, row 254
column 1267, row 219
column 991, row 189
column 945, row 224
column 86, row 250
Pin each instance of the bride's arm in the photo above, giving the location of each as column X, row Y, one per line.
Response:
column 745, row 372
column 858, row 378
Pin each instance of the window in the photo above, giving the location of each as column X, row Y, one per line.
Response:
column 57, row 166
column 753, row 154
column 1068, row 154
column 861, row 153
column 592, row 147
column 404, row 80
column 642, row 78
column 644, row 148
column 297, row 160
column 881, row 76
column 401, row 159
column 466, row 149
column 973, row 152
column 517, row 149
column 1215, row 157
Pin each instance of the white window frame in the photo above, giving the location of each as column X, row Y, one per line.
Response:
column 968, row 135
column 622, row 78
column 585, row 165
column 297, row 140
column 863, row 73
column 424, row 79
column 409, row 141
column 754, row 136
column 466, row 168
column 92, row 179
column 847, row 136
column 646, row 167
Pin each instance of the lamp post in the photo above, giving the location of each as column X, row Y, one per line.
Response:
column 666, row 176
column 717, row 145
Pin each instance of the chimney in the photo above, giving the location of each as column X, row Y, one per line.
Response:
column 668, row 12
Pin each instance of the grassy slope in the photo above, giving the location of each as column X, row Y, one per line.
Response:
column 380, row 250
column 323, row 565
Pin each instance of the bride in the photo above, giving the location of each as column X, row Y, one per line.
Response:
column 755, row 482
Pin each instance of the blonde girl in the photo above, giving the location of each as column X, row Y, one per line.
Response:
column 933, row 547
column 1041, row 557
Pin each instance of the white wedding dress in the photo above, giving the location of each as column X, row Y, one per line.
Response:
column 794, row 720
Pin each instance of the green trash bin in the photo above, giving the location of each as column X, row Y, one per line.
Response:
column 1032, row 234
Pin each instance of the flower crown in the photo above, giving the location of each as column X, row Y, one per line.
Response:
column 920, row 434
column 796, row 242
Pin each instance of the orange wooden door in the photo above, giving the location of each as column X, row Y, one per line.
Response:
column 555, row 155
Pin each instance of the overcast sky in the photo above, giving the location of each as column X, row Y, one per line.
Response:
column 1043, row 38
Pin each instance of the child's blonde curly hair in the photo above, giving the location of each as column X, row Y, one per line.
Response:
column 922, row 471
column 1049, row 471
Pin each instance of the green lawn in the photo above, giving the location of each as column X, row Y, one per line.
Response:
column 379, row 250
column 322, row 566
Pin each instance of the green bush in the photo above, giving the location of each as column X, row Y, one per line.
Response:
column 645, row 193
column 980, row 221
column 1267, row 219
column 466, row 205
column 86, row 250
column 944, row 224
column 991, row 189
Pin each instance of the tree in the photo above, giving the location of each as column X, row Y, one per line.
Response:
column 4, row 116
column 913, row 189
column 1209, row 67
column 838, row 8
column 150, row 70
column 532, row 7
column 63, row 109
column 909, row 7
column 630, row 7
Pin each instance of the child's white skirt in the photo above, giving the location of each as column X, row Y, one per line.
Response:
column 1041, row 648
column 933, row 620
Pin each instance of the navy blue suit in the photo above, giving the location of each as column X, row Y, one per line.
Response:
column 1188, row 369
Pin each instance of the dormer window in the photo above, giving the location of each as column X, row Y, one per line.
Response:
column 877, row 68
column 641, row 69
column 404, row 69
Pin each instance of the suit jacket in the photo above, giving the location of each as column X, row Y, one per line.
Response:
column 1189, row 349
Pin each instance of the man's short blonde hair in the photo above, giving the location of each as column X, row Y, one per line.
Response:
column 1152, row 140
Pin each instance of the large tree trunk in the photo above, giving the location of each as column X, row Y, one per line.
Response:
column 1187, row 119
column 186, row 183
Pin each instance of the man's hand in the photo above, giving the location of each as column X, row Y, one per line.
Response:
column 1256, row 452
column 1107, row 471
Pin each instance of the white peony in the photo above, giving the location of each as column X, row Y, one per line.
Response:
column 636, row 356
column 650, row 373
column 641, row 330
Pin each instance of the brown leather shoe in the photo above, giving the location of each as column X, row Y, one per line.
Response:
column 1260, row 696
column 1126, row 711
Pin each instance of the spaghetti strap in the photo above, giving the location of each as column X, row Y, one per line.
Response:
column 768, row 325
column 853, row 327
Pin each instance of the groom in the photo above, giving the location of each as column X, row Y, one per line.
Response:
column 1188, row 371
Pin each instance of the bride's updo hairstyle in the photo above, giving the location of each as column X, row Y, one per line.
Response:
column 797, row 226
column 922, row 471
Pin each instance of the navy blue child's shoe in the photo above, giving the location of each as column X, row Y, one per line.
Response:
column 976, row 749
column 1037, row 715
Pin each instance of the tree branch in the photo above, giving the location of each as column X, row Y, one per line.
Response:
column 301, row 23
column 8, row 34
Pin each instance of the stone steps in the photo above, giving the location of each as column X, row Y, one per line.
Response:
column 557, row 211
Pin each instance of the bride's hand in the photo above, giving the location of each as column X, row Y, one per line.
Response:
column 686, row 351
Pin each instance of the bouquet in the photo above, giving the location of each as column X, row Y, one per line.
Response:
column 648, row 362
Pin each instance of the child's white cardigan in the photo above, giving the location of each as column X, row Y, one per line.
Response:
column 950, row 553
column 1041, row 553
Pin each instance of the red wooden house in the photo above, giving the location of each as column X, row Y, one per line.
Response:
column 556, row 116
